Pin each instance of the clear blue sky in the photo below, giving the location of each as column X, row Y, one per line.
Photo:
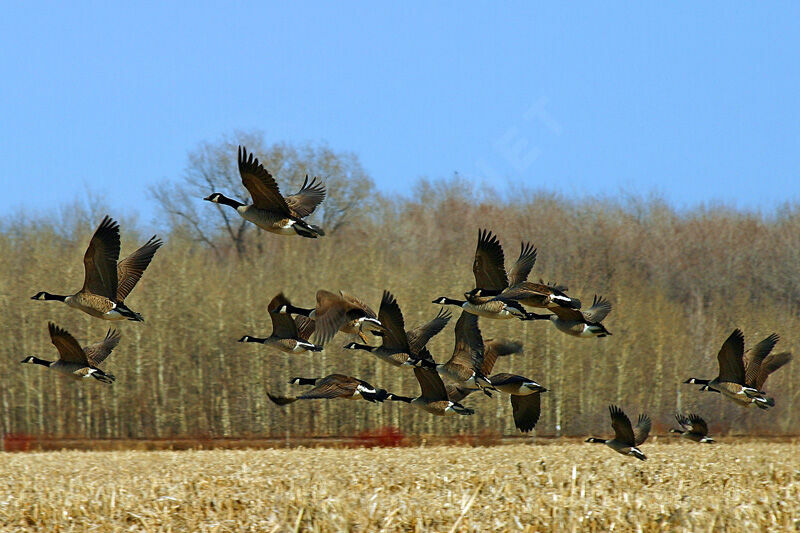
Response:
column 698, row 102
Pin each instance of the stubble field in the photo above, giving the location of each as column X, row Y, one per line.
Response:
column 565, row 486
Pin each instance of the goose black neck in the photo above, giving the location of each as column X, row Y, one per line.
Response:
column 678, row 431
column 47, row 296
column 450, row 301
column 229, row 201
column 696, row 381
column 595, row 440
column 248, row 338
column 291, row 309
column 396, row 398
column 357, row 346
column 304, row 381
column 36, row 361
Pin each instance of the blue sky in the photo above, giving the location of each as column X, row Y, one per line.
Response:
column 700, row 103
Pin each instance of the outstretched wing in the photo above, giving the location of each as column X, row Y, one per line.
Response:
column 526, row 411
column 524, row 264
column 772, row 363
column 260, row 184
column 420, row 335
column 489, row 265
column 623, row 432
column 494, row 348
column 468, row 351
column 283, row 325
column 642, row 429
column 731, row 366
column 755, row 356
column 68, row 348
column 598, row 311
column 306, row 199
column 697, row 424
column 130, row 269
column 430, row 384
column 100, row 260
column 390, row 315
column 97, row 353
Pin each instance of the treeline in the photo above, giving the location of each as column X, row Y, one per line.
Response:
column 680, row 282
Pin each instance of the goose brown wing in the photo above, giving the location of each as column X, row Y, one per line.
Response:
column 494, row 348
column 642, row 429
column 100, row 260
column 422, row 334
column 696, row 424
column 456, row 393
column 468, row 351
column 333, row 386
column 306, row 199
column 390, row 315
column 430, row 384
column 568, row 314
column 772, row 363
column 598, row 311
column 305, row 327
column 358, row 303
column 683, row 422
column 755, row 356
column 331, row 314
column 68, row 348
column 527, row 410
column 489, row 265
column 731, row 366
column 524, row 264
column 526, row 289
column 130, row 269
column 623, row 432
column 260, row 184
column 97, row 353
column 283, row 325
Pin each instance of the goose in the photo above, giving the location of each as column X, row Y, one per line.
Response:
column 464, row 366
column 397, row 344
column 579, row 323
column 74, row 361
column 289, row 335
column 626, row 438
column 530, row 294
column 106, row 282
column 491, row 279
column 332, row 387
column 434, row 397
column 732, row 381
column 693, row 428
column 270, row 210
column 337, row 312
column 523, row 392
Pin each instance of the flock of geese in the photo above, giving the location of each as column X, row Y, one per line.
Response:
column 498, row 295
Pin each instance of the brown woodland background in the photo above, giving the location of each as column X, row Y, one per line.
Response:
column 680, row 282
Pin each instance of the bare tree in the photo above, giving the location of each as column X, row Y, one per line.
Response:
column 211, row 167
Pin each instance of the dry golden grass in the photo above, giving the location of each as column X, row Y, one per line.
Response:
column 582, row 487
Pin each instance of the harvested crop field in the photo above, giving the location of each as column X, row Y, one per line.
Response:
column 566, row 486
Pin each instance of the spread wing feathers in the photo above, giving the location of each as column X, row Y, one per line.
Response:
column 420, row 335
column 430, row 384
column 100, row 260
column 97, row 353
column 494, row 348
column 281, row 400
column 283, row 325
column 68, row 348
column 554, row 285
column 526, row 411
column 489, row 265
column 755, row 356
column 599, row 310
column 642, row 429
column 130, row 269
column 332, row 312
column 456, row 393
column 468, row 351
column 731, row 366
column 772, row 363
column 260, row 184
column 359, row 303
column 623, row 432
column 305, row 327
column 695, row 424
column 333, row 386
column 524, row 264
column 307, row 198
column 390, row 315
